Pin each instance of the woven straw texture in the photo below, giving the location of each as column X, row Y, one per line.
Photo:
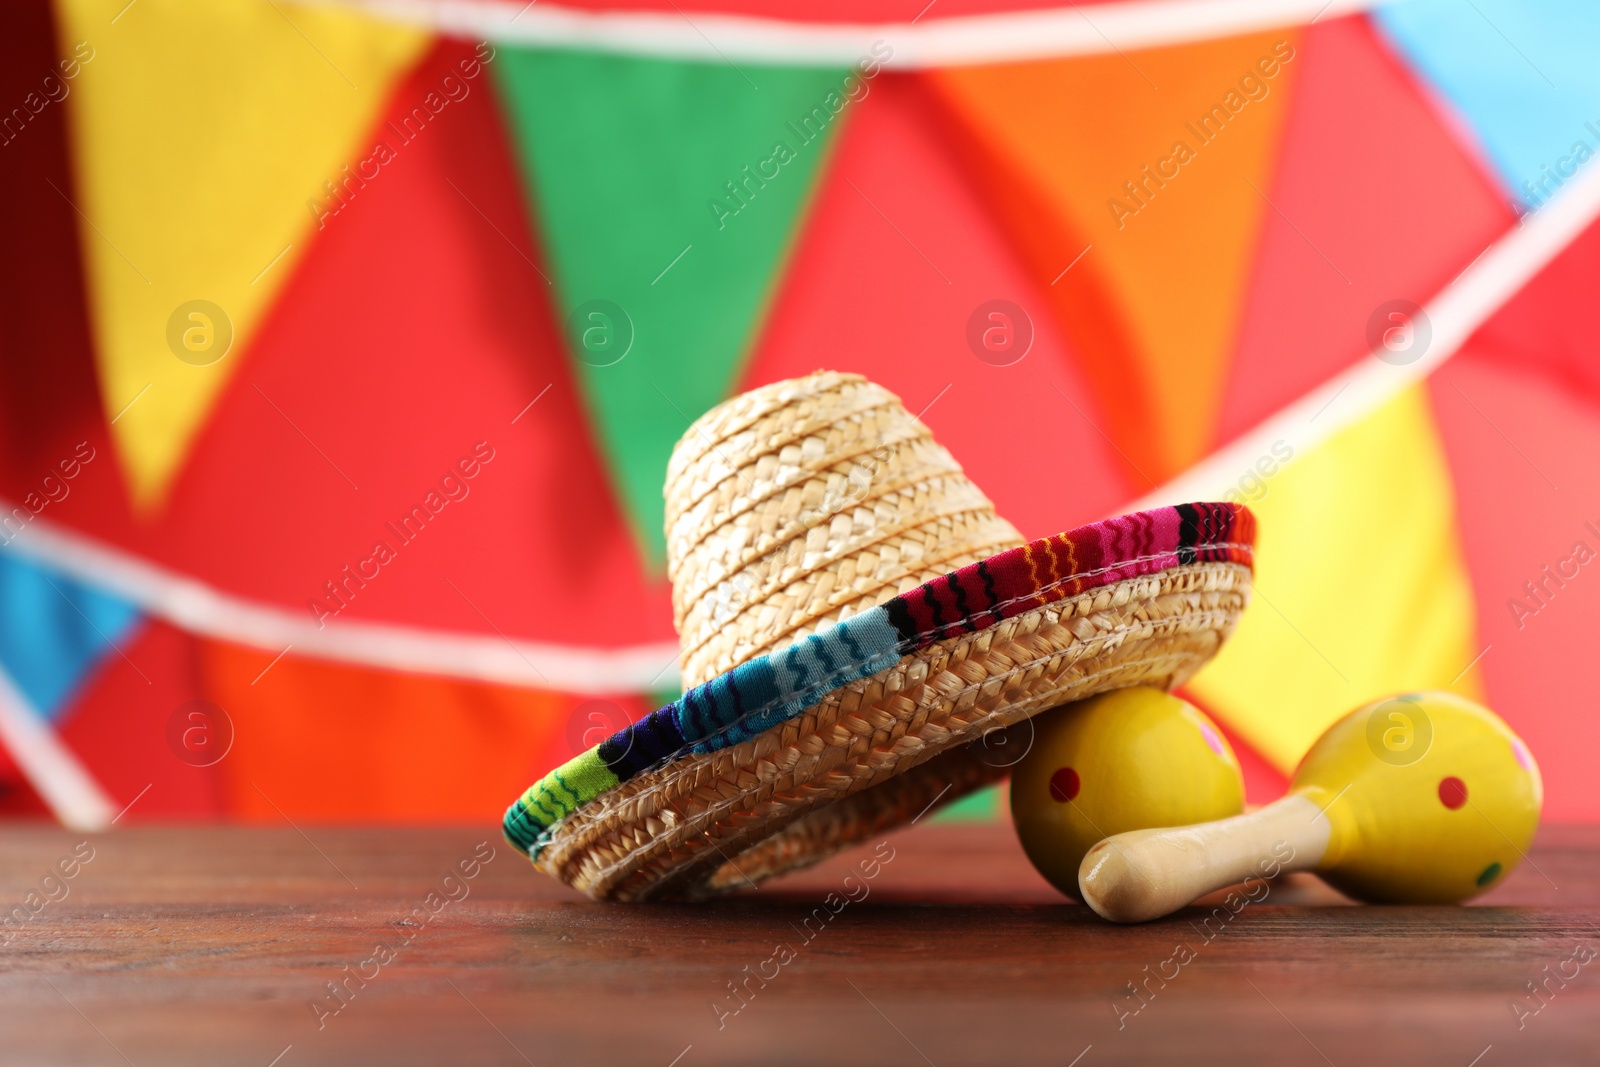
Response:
column 838, row 773
column 802, row 503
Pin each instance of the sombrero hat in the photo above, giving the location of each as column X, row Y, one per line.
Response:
column 858, row 628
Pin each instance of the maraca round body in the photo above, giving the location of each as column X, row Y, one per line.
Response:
column 1431, row 799
column 1124, row 760
column 1424, row 798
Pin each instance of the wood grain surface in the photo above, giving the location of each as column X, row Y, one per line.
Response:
column 211, row 946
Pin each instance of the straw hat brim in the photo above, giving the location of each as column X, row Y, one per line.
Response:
column 859, row 727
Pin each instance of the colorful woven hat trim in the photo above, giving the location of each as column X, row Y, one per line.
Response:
column 769, row 689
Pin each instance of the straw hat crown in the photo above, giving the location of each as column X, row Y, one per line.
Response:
column 802, row 503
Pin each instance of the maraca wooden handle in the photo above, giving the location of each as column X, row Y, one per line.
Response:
column 1145, row 874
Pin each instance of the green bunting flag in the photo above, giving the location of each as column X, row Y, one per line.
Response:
column 665, row 194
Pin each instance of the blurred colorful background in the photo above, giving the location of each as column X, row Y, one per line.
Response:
column 343, row 345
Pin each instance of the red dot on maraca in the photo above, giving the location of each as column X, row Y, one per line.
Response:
column 1452, row 793
column 1064, row 785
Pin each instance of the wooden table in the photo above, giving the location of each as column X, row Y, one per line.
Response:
column 210, row 946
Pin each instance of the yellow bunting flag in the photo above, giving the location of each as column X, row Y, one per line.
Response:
column 1361, row 589
column 200, row 131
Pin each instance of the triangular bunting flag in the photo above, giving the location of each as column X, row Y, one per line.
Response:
column 861, row 297
column 1361, row 590
column 55, row 630
column 205, row 136
column 666, row 193
column 474, row 368
column 1399, row 224
column 1522, row 75
column 1137, row 205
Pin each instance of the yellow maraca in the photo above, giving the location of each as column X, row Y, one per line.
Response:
column 1123, row 760
column 1426, row 798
